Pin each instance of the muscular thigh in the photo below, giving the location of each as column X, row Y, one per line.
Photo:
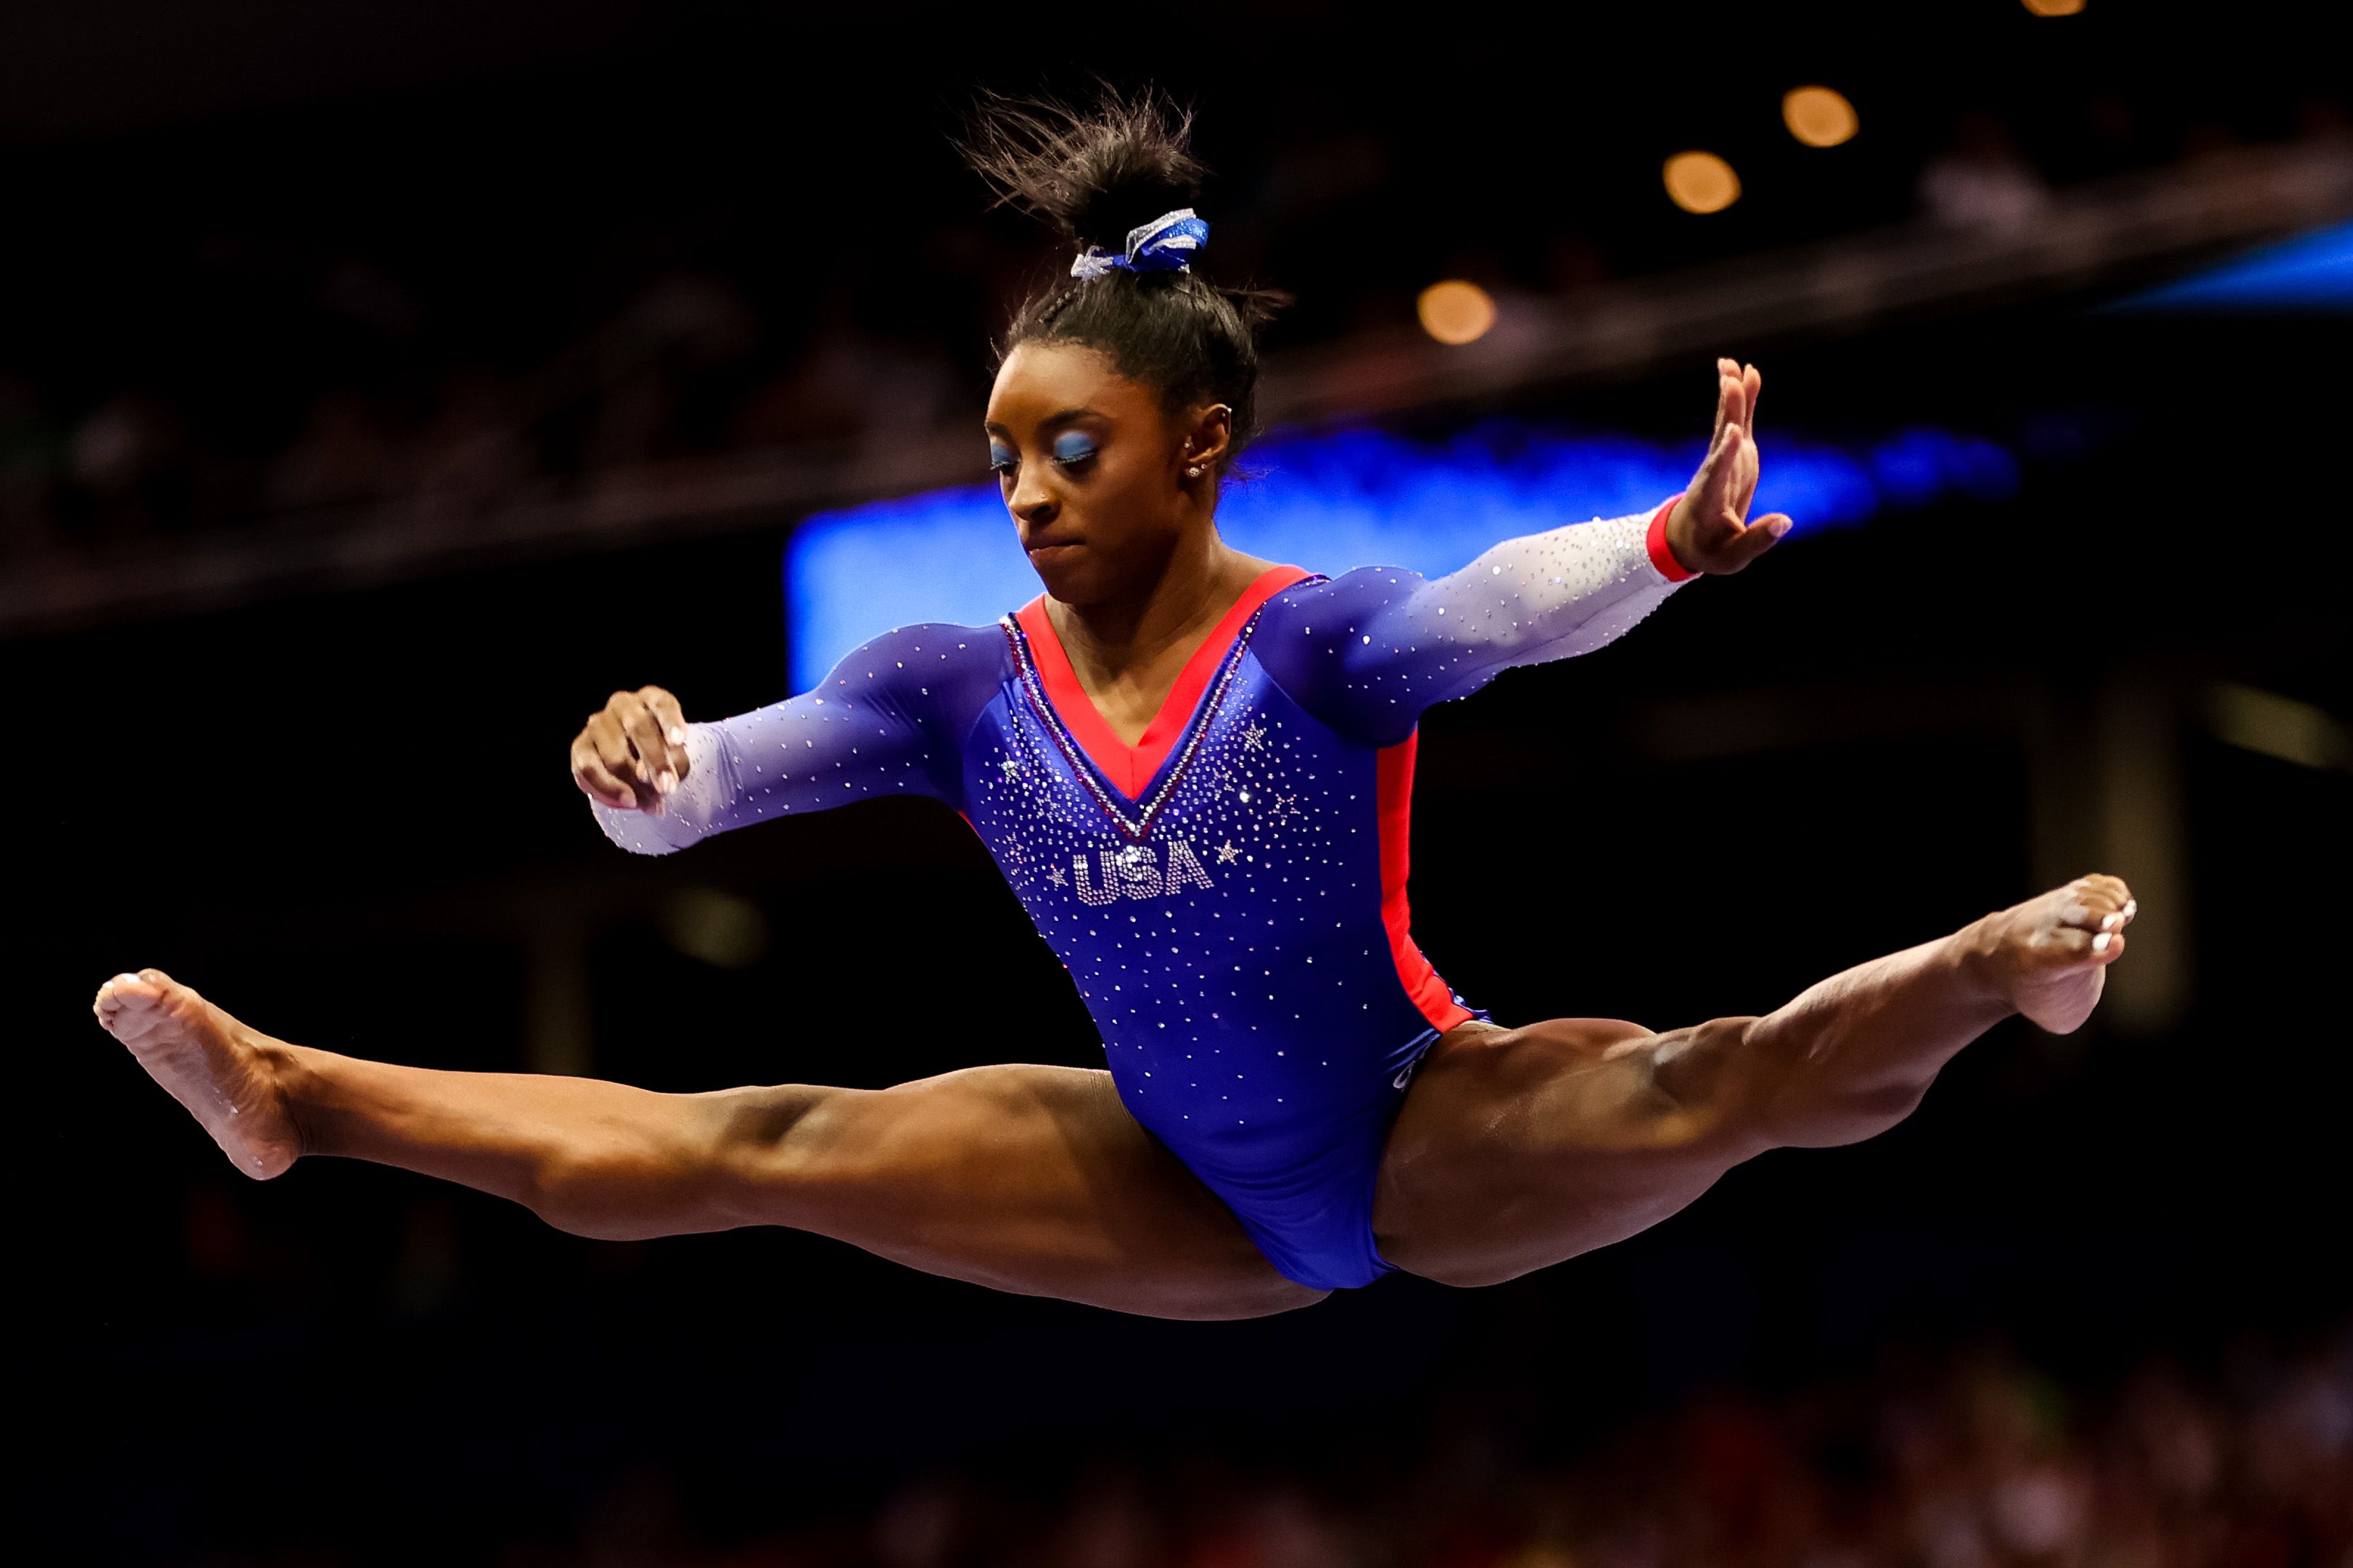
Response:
column 1518, row 1148
column 1030, row 1179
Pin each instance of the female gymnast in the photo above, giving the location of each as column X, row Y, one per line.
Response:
column 1195, row 769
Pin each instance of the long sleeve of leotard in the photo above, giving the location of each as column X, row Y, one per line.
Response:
column 1369, row 651
column 886, row 721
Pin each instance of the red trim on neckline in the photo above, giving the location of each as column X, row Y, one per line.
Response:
column 1394, row 795
column 1663, row 555
column 1129, row 768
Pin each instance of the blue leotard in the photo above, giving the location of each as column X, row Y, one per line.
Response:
column 1229, row 892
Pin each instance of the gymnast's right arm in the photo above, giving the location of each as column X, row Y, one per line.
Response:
column 886, row 721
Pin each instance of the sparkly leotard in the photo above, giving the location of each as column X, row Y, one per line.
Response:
column 1229, row 892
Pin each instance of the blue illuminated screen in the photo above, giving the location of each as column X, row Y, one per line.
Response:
column 2311, row 272
column 1330, row 501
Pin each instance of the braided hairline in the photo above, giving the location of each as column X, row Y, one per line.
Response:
column 1060, row 303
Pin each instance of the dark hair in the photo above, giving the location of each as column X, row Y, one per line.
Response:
column 1094, row 175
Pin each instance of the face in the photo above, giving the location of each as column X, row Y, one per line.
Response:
column 1093, row 470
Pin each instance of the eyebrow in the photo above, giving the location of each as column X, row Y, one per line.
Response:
column 1065, row 418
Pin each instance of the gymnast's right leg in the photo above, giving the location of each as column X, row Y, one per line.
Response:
column 1028, row 1179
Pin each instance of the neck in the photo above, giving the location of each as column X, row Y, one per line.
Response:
column 1201, row 580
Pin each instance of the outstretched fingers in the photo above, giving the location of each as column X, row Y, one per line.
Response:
column 1727, row 476
column 1712, row 487
column 1732, row 399
column 1736, row 387
column 1710, row 530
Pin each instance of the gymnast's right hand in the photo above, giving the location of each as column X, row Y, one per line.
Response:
column 632, row 753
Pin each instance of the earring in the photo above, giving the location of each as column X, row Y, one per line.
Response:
column 1194, row 471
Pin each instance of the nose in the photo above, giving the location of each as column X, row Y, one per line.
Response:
column 1031, row 503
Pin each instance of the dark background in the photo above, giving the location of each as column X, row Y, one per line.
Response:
column 343, row 814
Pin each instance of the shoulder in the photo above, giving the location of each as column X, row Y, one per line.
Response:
column 1333, row 644
column 932, row 667
column 1333, row 606
column 1328, row 628
column 928, row 643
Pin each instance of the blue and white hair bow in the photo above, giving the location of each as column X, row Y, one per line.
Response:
column 1166, row 244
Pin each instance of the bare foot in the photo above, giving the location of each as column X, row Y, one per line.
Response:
column 2050, row 954
column 221, row 1070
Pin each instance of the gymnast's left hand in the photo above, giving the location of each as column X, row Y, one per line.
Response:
column 1709, row 529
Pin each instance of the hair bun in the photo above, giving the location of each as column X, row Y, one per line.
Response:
column 1119, row 179
column 1094, row 175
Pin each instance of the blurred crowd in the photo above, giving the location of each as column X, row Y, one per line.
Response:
column 1980, row 1461
column 175, row 380
column 688, row 368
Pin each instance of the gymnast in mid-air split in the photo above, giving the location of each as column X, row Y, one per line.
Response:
column 1195, row 769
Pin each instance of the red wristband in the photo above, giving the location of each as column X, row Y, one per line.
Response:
column 1662, row 556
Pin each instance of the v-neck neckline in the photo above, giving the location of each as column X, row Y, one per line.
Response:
column 1131, row 769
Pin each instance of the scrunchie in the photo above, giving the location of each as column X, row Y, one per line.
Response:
column 1166, row 244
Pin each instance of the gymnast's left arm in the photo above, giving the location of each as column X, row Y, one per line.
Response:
column 1372, row 650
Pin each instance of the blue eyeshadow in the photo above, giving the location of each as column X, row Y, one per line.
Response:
column 1072, row 446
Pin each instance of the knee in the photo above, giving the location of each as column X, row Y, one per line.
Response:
column 685, row 1170
column 1699, row 1062
column 771, row 1154
column 1711, row 1090
column 1798, row 1100
column 763, row 1129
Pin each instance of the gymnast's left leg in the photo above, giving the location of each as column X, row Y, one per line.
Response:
column 1519, row 1148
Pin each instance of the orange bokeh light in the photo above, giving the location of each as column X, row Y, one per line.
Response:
column 1818, row 117
column 1455, row 312
column 1701, row 182
column 2053, row 7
